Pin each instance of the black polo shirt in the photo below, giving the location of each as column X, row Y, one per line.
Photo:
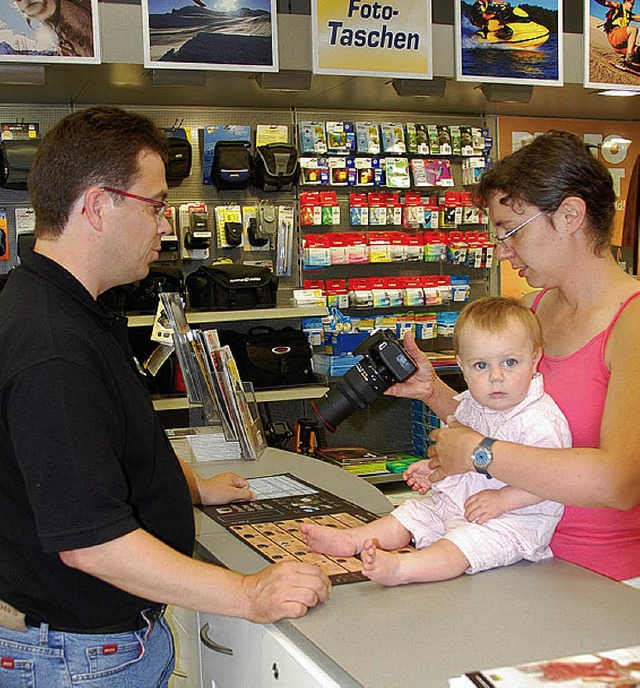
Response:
column 83, row 457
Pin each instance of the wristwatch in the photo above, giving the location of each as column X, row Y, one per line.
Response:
column 482, row 456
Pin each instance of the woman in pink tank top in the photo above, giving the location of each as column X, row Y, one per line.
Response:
column 552, row 205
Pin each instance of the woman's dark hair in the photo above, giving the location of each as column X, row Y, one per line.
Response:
column 552, row 167
column 97, row 146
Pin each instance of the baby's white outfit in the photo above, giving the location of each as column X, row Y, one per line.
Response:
column 520, row 534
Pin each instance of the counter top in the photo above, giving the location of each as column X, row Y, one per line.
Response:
column 423, row 634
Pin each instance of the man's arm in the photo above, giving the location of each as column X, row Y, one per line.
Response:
column 142, row 565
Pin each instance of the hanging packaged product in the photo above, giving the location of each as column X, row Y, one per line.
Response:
column 341, row 137
column 232, row 165
column 16, row 158
column 368, row 138
column 358, row 210
column 330, row 208
column 313, row 137
column 276, row 167
column 179, row 156
column 194, row 227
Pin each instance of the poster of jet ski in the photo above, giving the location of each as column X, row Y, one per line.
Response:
column 225, row 35
column 612, row 45
column 497, row 41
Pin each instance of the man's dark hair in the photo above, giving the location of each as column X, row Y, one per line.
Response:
column 552, row 167
column 98, row 146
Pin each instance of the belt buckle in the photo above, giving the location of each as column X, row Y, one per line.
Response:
column 154, row 614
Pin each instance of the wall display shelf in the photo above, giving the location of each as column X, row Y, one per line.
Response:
column 284, row 394
column 206, row 317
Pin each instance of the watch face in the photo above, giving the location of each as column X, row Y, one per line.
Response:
column 482, row 457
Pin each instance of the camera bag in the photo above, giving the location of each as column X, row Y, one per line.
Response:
column 178, row 166
column 232, row 166
column 16, row 158
column 142, row 296
column 276, row 167
column 270, row 357
column 229, row 286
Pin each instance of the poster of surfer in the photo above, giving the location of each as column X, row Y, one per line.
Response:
column 497, row 41
column 611, row 42
column 236, row 35
column 49, row 31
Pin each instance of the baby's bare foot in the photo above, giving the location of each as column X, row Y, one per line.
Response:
column 325, row 540
column 379, row 565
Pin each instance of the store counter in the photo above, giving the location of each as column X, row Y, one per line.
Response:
column 423, row 634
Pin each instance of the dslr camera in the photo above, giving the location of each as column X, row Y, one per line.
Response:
column 384, row 362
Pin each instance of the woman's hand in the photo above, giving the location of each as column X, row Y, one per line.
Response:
column 451, row 453
column 422, row 384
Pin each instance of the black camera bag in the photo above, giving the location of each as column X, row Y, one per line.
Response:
column 276, row 167
column 142, row 296
column 178, row 166
column 16, row 158
column 232, row 165
column 231, row 286
column 270, row 357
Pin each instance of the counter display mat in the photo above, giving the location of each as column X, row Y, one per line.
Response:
column 269, row 525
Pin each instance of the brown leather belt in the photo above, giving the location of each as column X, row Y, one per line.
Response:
column 154, row 614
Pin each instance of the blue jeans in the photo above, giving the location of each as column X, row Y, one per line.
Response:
column 40, row 658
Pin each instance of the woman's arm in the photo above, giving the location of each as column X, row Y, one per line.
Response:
column 608, row 476
column 425, row 385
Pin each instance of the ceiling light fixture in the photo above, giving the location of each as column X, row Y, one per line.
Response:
column 506, row 93
column 284, row 81
column 619, row 92
column 420, row 88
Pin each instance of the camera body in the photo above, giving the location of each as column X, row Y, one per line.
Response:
column 384, row 362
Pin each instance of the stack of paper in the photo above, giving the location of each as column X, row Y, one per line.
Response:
column 600, row 669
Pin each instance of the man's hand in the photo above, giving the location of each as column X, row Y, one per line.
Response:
column 224, row 488
column 286, row 590
column 417, row 476
column 485, row 505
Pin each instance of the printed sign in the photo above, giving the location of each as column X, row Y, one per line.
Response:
column 616, row 144
column 372, row 38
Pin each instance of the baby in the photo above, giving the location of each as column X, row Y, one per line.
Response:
column 471, row 522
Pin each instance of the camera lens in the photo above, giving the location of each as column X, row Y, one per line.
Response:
column 355, row 390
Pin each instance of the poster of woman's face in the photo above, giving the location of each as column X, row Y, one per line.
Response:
column 505, row 42
column 229, row 35
column 611, row 45
column 49, row 31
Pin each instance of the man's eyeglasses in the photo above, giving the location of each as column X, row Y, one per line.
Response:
column 500, row 240
column 160, row 206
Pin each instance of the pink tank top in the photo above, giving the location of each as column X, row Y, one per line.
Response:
column 604, row 540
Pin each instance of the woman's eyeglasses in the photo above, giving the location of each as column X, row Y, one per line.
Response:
column 511, row 232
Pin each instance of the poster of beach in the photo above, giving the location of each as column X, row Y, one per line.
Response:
column 210, row 34
column 611, row 52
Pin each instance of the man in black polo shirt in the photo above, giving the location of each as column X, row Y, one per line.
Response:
column 96, row 510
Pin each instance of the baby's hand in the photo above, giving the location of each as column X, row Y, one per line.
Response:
column 484, row 505
column 417, row 476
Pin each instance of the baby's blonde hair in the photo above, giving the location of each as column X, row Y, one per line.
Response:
column 493, row 314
